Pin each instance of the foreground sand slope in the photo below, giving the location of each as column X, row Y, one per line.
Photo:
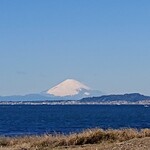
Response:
column 133, row 144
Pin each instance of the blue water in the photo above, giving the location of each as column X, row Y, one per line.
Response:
column 40, row 119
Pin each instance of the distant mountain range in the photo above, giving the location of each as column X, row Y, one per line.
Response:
column 126, row 99
column 69, row 89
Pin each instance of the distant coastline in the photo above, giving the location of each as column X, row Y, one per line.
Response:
column 76, row 102
column 145, row 103
column 125, row 99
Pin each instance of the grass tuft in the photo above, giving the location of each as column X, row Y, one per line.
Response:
column 89, row 136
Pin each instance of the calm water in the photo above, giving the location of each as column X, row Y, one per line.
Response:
column 39, row 119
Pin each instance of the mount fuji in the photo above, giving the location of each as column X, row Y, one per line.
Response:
column 73, row 90
column 69, row 89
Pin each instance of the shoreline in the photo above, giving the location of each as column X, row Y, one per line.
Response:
column 70, row 103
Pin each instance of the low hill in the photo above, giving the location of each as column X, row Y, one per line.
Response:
column 133, row 97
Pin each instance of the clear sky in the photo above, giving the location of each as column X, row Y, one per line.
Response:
column 103, row 43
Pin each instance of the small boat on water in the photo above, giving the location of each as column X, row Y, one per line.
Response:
column 146, row 106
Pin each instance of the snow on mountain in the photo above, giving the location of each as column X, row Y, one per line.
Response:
column 72, row 89
column 68, row 87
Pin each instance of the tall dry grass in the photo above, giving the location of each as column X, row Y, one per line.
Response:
column 90, row 136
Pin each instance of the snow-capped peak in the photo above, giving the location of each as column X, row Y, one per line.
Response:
column 69, row 87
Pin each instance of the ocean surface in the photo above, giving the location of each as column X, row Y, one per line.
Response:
column 41, row 119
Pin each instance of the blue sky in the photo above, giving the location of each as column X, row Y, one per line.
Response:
column 103, row 43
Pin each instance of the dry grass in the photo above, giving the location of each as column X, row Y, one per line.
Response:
column 90, row 136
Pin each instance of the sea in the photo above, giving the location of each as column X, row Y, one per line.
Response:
column 20, row 120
